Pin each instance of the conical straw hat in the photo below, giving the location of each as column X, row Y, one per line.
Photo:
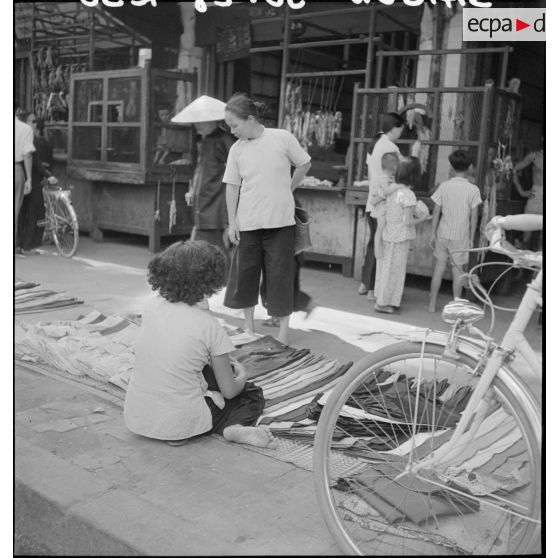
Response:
column 203, row 109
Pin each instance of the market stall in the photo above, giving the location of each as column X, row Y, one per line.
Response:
column 318, row 73
column 443, row 119
column 107, row 113
column 122, row 141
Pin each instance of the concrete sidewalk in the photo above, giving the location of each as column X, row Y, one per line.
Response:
column 86, row 485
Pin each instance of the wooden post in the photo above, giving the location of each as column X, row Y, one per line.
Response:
column 367, row 83
column 91, row 59
column 284, row 67
column 484, row 139
column 352, row 145
column 504, row 70
column 402, row 73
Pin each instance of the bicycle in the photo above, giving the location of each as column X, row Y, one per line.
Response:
column 60, row 221
column 449, row 437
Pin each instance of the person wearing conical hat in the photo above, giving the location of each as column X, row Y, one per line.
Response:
column 207, row 191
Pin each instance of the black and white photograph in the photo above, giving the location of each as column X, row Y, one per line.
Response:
column 278, row 278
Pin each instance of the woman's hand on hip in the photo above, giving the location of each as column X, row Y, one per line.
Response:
column 234, row 234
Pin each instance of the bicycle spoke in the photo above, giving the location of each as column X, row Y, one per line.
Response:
column 409, row 415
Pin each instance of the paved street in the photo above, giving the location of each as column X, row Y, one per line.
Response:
column 85, row 484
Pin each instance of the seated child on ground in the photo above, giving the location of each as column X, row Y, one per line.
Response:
column 390, row 163
column 183, row 383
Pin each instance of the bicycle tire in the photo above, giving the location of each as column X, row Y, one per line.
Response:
column 360, row 529
column 65, row 227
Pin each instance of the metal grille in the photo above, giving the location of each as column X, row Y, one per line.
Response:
column 450, row 118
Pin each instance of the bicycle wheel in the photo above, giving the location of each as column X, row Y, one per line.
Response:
column 66, row 232
column 390, row 412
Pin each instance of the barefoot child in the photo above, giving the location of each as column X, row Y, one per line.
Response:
column 183, row 383
column 454, row 222
column 390, row 163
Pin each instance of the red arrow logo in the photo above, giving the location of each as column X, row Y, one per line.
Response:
column 519, row 25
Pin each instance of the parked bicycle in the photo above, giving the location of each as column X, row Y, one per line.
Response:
column 60, row 221
column 449, row 435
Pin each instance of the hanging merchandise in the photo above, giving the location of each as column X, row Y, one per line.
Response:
column 416, row 120
column 172, row 208
column 320, row 127
column 157, row 215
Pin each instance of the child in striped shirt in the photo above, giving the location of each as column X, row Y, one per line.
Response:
column 456, row 212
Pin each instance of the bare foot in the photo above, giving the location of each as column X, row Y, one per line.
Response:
column 258, row 436
column 283, row 339
column 370, row 296
column 362, row 289
column 431, row 306
column 383, row 308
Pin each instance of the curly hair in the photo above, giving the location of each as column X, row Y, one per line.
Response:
column 187, row 271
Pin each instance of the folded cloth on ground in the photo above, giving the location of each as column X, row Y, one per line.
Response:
column 266, row 354
column 407, row 497
column 31, row 297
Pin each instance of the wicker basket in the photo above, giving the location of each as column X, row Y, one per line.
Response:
column 302, row 230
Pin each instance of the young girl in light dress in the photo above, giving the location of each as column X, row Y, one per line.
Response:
column 399, row 230
column 390, row 163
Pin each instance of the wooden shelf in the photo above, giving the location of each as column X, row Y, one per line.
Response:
column 322, row 188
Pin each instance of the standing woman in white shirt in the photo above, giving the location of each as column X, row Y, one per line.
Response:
column 391, row 128
column 23, row 152
column 260, row 207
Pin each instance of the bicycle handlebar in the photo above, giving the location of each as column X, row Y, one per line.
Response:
column 499, row 244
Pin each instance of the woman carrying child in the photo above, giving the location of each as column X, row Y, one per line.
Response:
column 397, row 234
column 391, row 128
column 183, row 383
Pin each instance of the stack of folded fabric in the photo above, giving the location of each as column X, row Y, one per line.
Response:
column 291, row 379
column 93, row 346
column 31, row 297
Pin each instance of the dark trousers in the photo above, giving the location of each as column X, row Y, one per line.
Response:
column 243, row 410
column 213, row 236
column 301, row 299
column 32, row 210
column 369, row 267
column 267, row 252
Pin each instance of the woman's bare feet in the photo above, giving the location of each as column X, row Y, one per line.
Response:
column 362, row 290
column 258, row 436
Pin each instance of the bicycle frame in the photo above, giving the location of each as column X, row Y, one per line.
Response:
column 480, row 401
column 49, row 194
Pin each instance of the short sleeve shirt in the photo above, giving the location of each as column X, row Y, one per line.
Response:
column 23, row 140
column 374, row 163
column 395, row 229
column 165, row 396
column 262, row 169
column 457, row 197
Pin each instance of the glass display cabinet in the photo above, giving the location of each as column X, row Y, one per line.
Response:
column 121, row 139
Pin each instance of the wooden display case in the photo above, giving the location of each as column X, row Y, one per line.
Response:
column 121, row 139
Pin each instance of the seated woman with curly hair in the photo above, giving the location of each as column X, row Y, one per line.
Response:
column 183, row 383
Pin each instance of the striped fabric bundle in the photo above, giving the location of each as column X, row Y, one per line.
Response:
column 31, row 297
column 291, row 379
